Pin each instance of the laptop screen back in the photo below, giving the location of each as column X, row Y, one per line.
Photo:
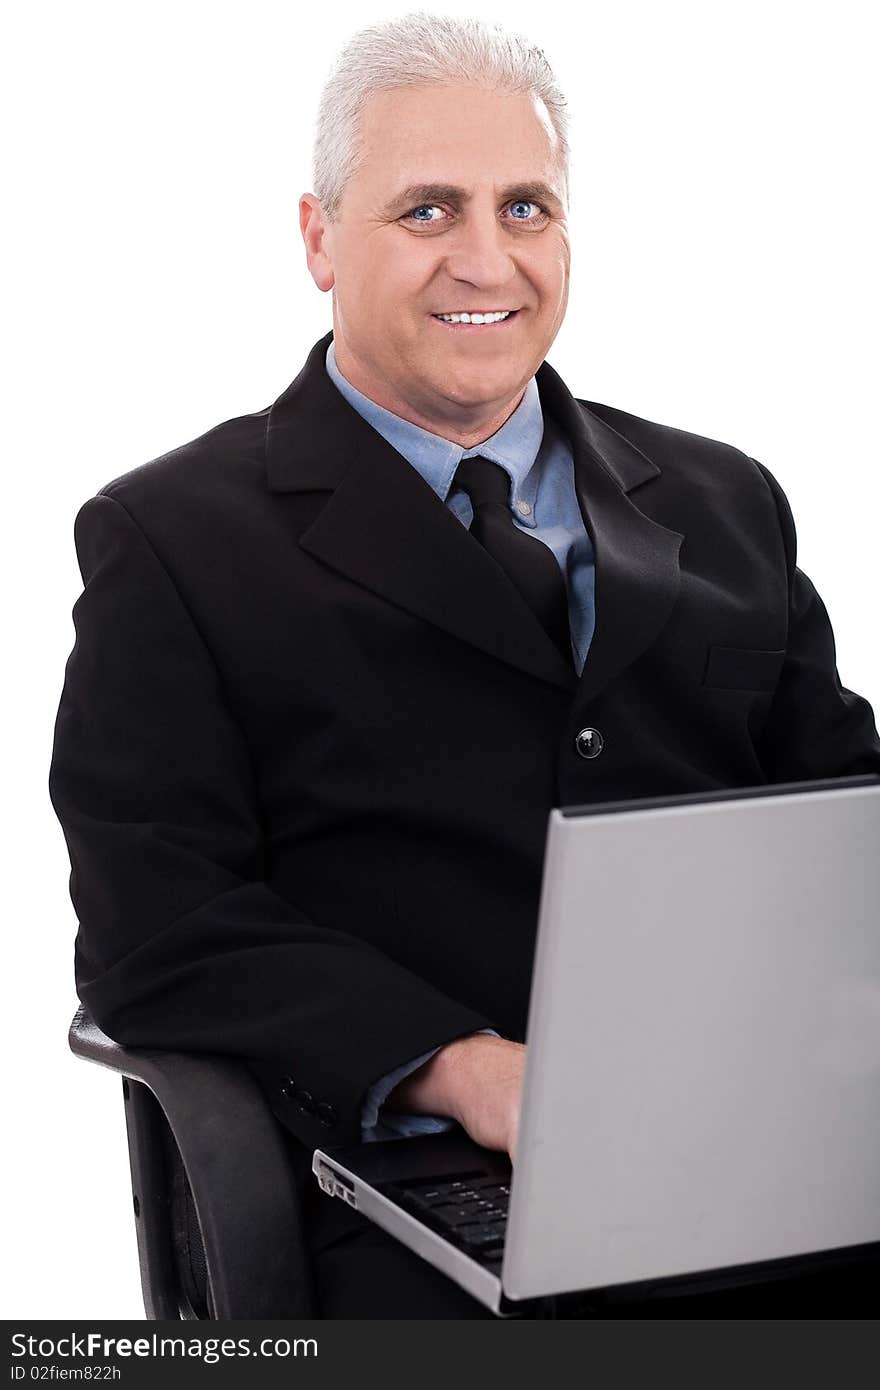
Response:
column 703, row 1072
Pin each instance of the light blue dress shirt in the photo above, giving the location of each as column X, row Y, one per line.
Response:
column 538, row 458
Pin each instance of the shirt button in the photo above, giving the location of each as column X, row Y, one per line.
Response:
column 523, row 508
column 589, row 743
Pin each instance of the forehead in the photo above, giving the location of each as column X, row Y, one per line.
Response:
column 460, row 135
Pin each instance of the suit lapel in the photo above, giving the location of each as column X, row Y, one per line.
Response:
column 637, row 574
column 385, row 528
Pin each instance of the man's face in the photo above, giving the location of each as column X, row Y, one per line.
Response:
column 397, row 257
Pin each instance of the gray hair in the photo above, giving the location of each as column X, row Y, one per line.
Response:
column 417, row 49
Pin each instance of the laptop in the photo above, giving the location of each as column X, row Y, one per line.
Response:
column 701, row 1094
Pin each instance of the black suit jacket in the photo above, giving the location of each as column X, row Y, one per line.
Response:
column 310, row 734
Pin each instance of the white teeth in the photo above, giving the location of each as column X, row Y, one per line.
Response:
column 474, row 318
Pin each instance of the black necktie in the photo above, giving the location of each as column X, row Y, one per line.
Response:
column 525, row 559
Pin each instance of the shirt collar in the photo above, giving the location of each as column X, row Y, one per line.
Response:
column 514, row 446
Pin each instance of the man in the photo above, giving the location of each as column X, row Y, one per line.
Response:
column 320, row 702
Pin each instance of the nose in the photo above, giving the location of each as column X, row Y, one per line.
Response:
column 481, row 252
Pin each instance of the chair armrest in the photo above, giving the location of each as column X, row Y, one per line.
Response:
column 239, row 1171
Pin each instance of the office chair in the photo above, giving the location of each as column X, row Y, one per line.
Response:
column 216, row 1207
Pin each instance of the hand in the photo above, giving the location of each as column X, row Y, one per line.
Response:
column 477, row 1080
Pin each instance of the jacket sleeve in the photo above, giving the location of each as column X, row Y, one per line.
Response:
column 181, row 942
column 816, row 727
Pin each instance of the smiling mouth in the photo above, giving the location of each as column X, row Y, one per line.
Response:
column 496, row 324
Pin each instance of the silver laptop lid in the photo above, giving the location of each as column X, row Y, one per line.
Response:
column 702, row 1083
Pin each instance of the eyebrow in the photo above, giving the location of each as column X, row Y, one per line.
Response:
column 418, row 193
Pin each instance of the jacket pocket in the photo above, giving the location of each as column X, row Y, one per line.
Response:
column 742, row 668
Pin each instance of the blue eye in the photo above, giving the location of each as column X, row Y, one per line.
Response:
column 520, row 202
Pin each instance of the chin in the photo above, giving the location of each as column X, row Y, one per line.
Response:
column 474, row 393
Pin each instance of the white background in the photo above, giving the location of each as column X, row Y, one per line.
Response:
column 724, row 281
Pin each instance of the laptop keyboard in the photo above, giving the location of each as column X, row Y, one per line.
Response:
column 470, row 1211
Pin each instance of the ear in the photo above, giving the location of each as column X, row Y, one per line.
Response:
column 316, row 237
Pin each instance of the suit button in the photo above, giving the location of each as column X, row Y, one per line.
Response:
column 326, row 1114
column 306, row 1101
column 589, row 743
column 288, row 1086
